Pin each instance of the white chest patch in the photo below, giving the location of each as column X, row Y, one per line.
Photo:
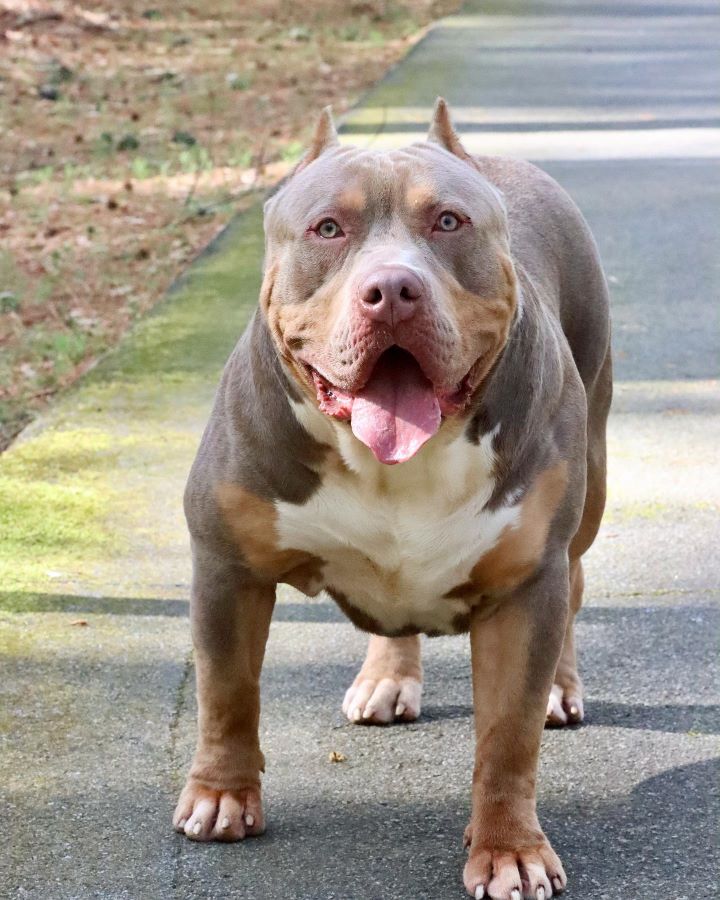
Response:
column 396, row 539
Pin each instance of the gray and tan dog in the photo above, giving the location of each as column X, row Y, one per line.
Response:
column 414, row 421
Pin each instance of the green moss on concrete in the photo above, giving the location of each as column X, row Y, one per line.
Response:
column 55, row 455
column 653, row 511
column 18, row 601
column 90, row 496
column 195, row 329
column 53, row 502
column 625, row 512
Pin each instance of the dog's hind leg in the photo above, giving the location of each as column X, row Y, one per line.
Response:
column 565, row 704
column 389, row 684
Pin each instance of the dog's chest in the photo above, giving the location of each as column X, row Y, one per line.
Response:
column 394, row 541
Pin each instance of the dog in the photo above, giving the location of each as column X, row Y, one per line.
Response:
column 414, row 421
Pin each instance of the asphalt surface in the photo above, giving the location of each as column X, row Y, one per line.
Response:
column 619, row 102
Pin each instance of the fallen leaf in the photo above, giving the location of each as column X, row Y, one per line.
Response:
column 81, row 622
column 336, row 757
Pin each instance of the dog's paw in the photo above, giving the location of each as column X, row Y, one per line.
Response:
column 565, row 705
column 533, row 874
column 204, row 814
column 372, row 701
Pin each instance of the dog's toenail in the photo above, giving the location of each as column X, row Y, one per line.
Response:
column 515, row 894
column 225, row 824
column 557, row 883
column 357, row 715
column 368, row 712
column 197, row 828
column 574, row 710
column 181, row 824
column 479, row 892
column 541, row 893
column 249, row 820
column 399, row 709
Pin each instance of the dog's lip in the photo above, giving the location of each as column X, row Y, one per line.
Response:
column 452, row 400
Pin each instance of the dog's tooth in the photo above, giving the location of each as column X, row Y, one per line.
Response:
column 249, row 820
column 225, row 824
column 197, row 828
column 479, row 892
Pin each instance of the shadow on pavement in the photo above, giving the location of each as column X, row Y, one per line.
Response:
column 650, row 844
column 32, row 602
column 669, row 718
column 646, row 845
column 675, row 719
column 326, row 847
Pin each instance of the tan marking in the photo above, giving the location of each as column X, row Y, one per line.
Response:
column 295, row 326
column 353, row 199
column 268, row 286
column 253, row 524
column 419, row 196
column 519, row 549
column 483, row 323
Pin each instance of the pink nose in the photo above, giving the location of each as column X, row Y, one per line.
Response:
column 391, row 294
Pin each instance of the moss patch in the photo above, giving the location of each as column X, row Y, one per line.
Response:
column 653, row 510
column 89, row 497
column 195, row 329
column 53, row 501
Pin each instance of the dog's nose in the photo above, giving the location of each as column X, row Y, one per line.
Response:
column 391, row 294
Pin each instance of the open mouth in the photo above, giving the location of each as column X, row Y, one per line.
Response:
column 397, row 410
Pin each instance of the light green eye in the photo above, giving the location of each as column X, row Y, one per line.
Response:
column 329, row 228
column 447, row 221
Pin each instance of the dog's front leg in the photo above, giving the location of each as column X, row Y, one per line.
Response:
column 231, row 615
column 514, row 654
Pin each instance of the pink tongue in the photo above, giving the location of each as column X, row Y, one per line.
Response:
column 397, row 410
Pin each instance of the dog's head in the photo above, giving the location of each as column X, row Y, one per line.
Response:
column 389, row 289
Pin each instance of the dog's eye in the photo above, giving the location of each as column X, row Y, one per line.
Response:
column 447, row 221
column 329, row 228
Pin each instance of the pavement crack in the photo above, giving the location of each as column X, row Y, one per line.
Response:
column 176, row 765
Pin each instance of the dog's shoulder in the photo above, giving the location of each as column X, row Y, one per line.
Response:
column 252, row 441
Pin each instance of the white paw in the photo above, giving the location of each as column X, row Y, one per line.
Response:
column 565, row 706
column 378, row 702
column 203, row 814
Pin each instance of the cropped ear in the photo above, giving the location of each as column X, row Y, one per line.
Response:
column 323, row 139
column 442, row 132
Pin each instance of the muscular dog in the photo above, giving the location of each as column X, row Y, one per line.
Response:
column 414, row 422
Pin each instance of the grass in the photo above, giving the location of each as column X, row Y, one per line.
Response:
column 133, row 133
